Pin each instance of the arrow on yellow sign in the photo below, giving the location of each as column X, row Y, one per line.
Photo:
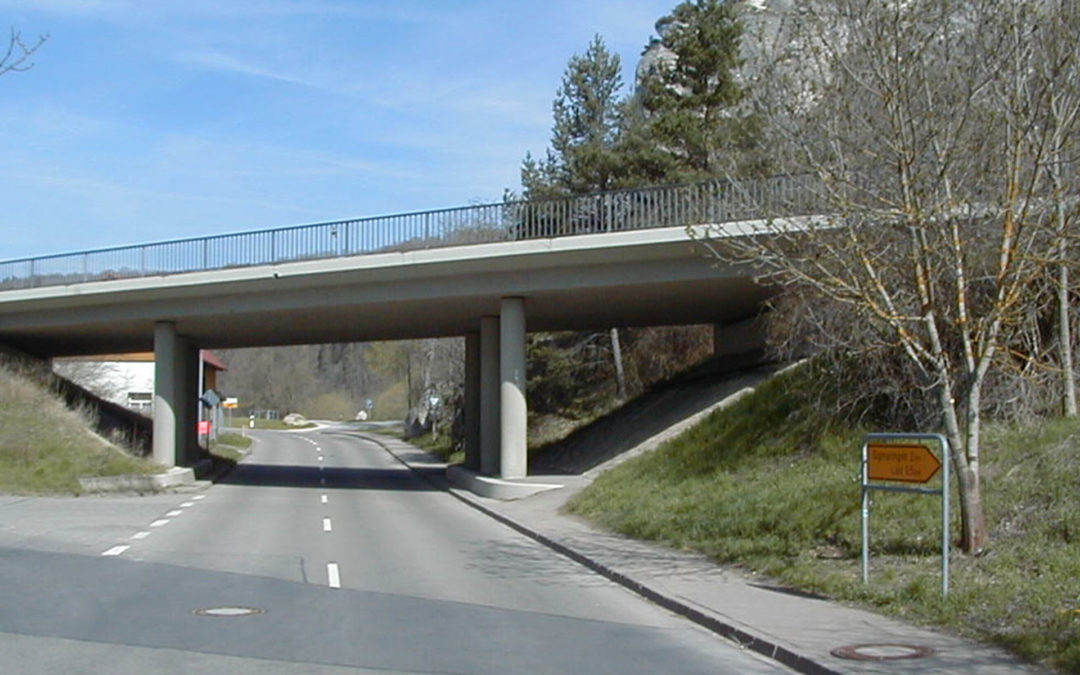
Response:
column 903, row 463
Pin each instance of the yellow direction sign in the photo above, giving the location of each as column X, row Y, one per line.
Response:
column 903, row 463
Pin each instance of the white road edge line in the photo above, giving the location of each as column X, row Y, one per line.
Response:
column 116, row 550
column 326, row 526
column 333, row 575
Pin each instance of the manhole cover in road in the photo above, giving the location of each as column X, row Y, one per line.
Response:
column 881, row 652
column 228, row 611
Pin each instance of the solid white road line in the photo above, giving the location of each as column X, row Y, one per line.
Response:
column 141, row 535
column 326, row 527
column 333, row 575
column 116, row 550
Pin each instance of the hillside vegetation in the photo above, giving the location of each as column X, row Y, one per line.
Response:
column 771, row 484
column 45, row 446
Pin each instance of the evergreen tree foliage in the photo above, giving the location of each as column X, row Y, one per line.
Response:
column 686, row 121
column 586, row 114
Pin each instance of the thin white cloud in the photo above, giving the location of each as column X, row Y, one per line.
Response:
column 219, row 61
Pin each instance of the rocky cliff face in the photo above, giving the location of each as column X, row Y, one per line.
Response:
column 766, row 31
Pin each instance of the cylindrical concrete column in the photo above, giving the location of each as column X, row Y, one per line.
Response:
column 472, row 401
column 187, row 410
column 168, row 374
column 489, row 395
column 513, row 449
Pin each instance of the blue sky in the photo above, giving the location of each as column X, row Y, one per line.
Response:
column 145, row 120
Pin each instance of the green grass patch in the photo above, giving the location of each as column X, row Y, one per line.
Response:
column 772, row 485
column 45, row 447
column 441, row 446
column 266, row 425
column 230, row 446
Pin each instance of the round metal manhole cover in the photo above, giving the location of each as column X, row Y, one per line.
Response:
column 882, row 652
column 228, row 611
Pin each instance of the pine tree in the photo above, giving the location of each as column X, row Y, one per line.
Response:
column 581, row 158
column 690, row 124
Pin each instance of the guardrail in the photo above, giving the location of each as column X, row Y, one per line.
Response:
column 715, row 202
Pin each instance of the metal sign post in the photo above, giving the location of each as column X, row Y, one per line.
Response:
column 905, row 458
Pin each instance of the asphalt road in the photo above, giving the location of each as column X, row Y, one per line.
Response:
column 350, row 563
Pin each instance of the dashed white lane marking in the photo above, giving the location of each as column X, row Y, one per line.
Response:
column 320, row 458
column 326, row 526
column 322, row 498
column 187, row 504
column 159, row 523
column 141, row 535
column 173, row 514
column 116, row 550
column 198, row 498
column 333, row 575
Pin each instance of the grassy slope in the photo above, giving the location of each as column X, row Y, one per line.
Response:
column 45, row 447
column 771, row 485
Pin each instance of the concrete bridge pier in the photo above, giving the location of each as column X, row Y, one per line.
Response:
column 513, row 447
column 176, row 383
column 489, row 396
column 472, row 401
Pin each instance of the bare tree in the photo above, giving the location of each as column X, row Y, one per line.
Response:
column 916, row 117
column 17, row 56
column 1055, row 70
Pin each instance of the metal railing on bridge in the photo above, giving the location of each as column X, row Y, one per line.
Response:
column 711, row 202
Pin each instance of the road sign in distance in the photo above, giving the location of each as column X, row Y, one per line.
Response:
column 904, row 463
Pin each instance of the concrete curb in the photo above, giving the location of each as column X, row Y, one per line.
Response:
column 494, row 488
column 761, row 645
column 175, row 477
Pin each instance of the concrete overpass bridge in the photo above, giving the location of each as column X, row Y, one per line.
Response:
column 488, row 273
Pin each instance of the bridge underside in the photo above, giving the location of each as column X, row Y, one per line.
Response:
column 490, row 293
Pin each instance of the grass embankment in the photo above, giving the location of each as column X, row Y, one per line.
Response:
column 772, row 485
column 45, row 447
